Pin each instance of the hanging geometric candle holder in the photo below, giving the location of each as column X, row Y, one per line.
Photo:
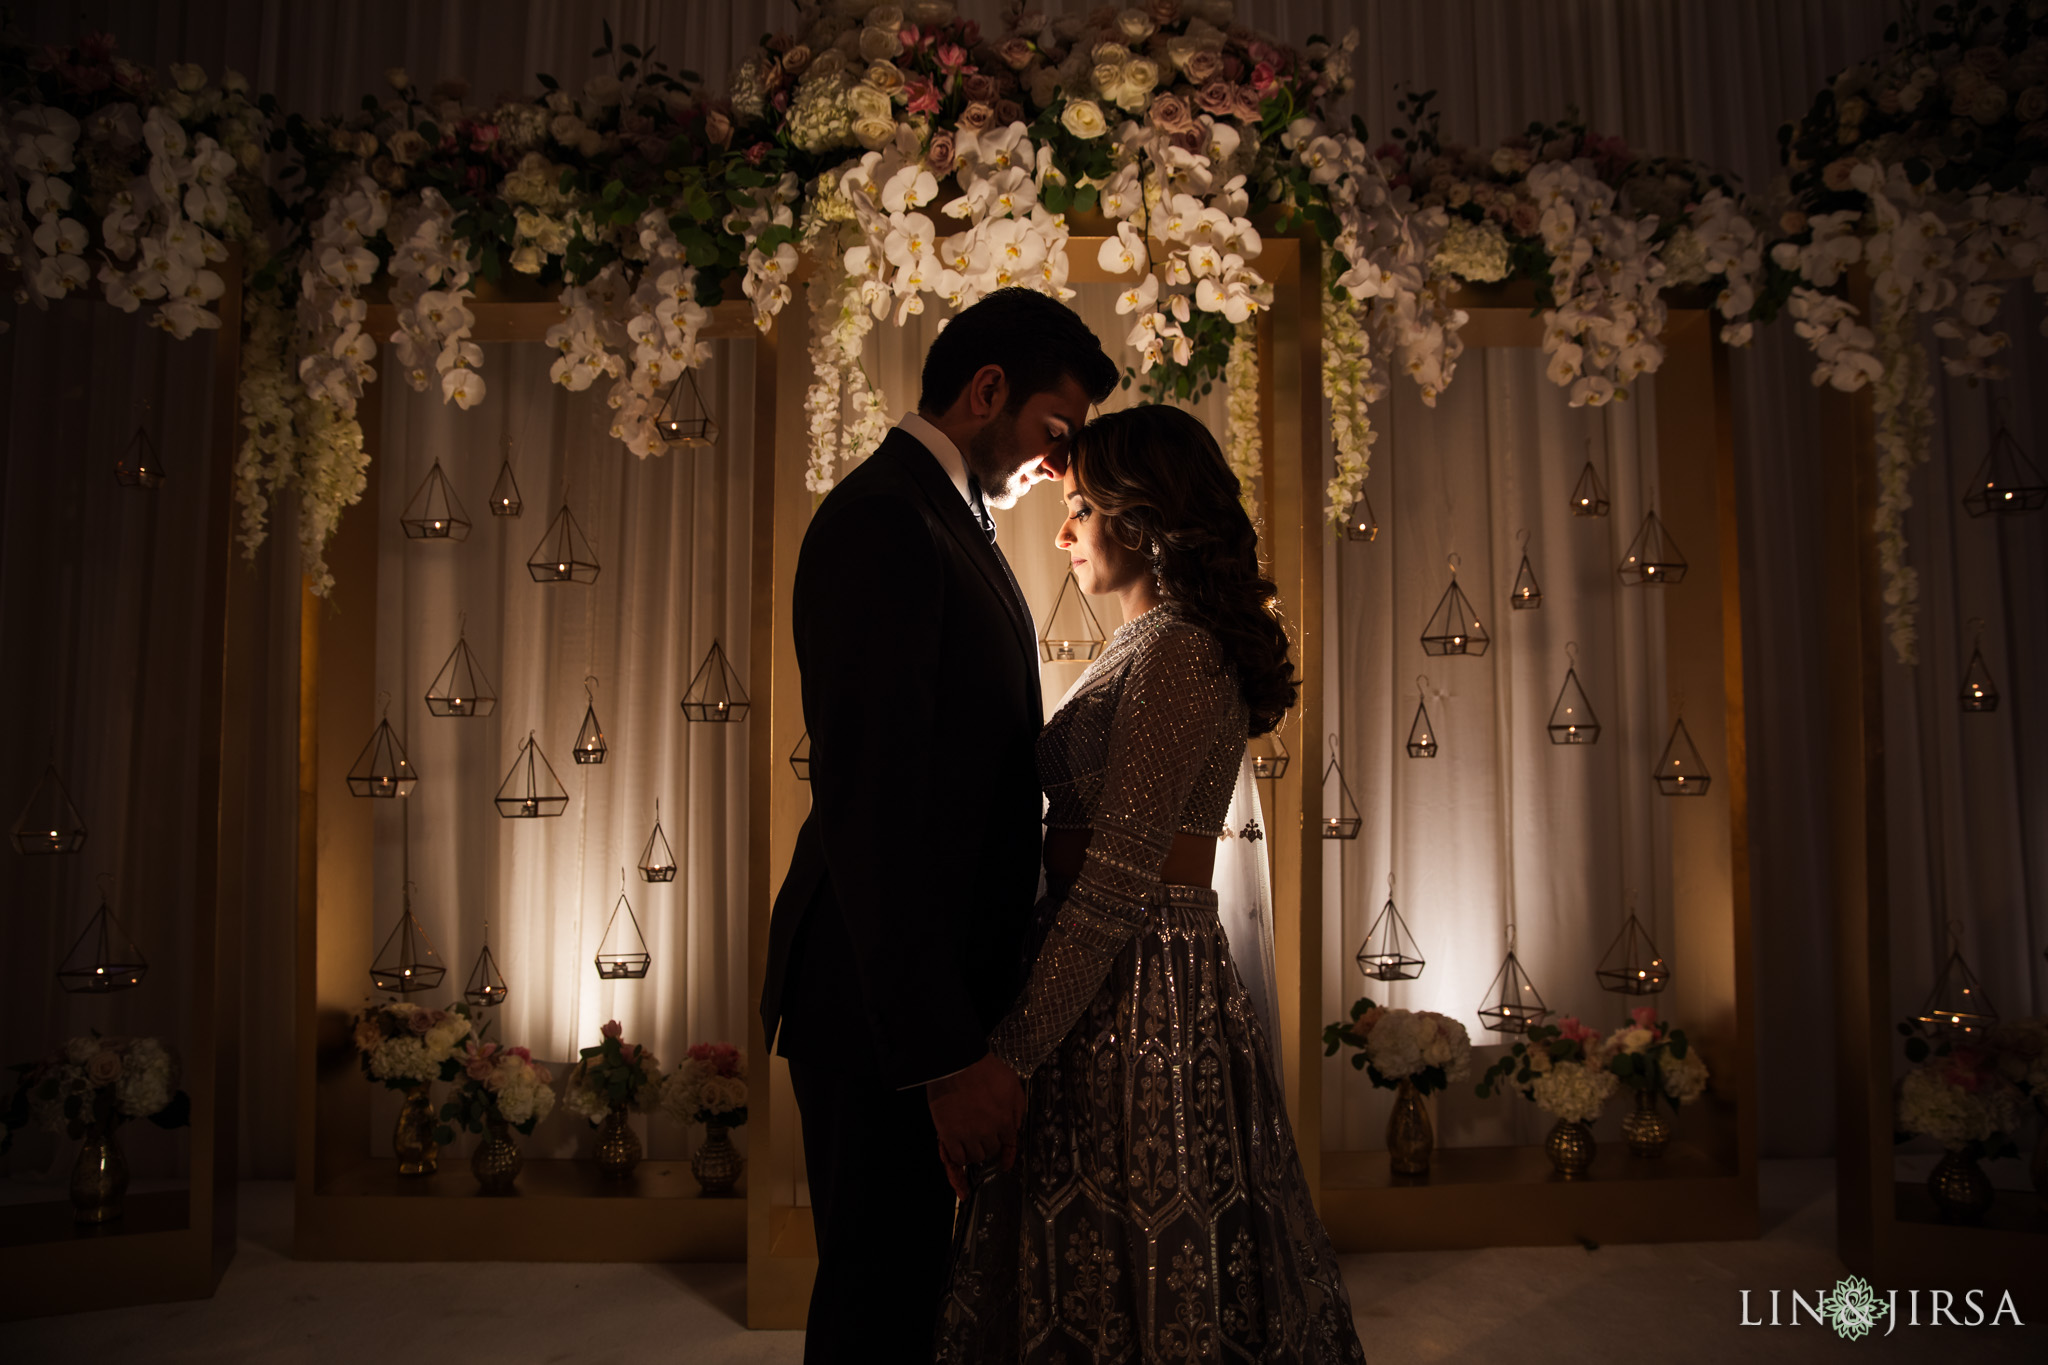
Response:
column 531, row 790
column 1958, row 1004
column 800, row 758
column 1589, row 498
column 1269, row 757
column 715, row 693
column 49, row 823
column 1347, row 822
column 1633, row 966
column 1681, row 771
column 1360, row 524
column 104, row 959
column 657, row 860
column 564, row 554
column 140, row 466
column 505, row 499
column 435, row 513
column 486, row 985
column 1454, row 626
column 590, row 746
column 1513, row 1004
column 382, row 769
column 460, row 688
column 2008, row 482
column 683, row 419
column 1978, row 693
column 1071, row 633
column 625, row 959
column 1572, row 720
column 407, row 962
column 1421, row 735
column 1525, row 595
column 1389, row 952
column 1653, row 559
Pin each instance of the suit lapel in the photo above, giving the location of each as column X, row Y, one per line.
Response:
column 938, row 490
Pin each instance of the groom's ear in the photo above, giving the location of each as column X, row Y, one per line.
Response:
column 987, row 392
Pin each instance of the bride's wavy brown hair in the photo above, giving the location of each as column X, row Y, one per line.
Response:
column 1157, row 478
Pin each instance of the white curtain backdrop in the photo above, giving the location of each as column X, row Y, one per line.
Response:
column 1710, row 80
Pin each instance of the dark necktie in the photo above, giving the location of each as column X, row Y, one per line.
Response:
column 981, row 512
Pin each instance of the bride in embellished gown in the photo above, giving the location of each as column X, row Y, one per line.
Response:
column 1156, row 1209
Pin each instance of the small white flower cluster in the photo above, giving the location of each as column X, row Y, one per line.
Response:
column 1606, row 277
column 1475, row 252
column 1243, row 448
column 585, row 336
column 335, row 363
column 845, row 415
column 520, row 1088
column 265, row 461
column 768, row 272
column 45, row 146
column 1847, row 350
column 434, row 323
column 696, row 1093
column 1729, row 246
column 1401, row 1043
column 1574, row 1091
column 1685, row 1078
column 1934, row 1102
column 581, row 1096
column 408, row 1043
column 1352, row 385
column 142, row 1073
column 663, row 326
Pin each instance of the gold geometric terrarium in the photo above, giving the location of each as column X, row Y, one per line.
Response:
column 486, row 986
column 589, row 746
column 657, row 860
column 1421, row 735
column 1681, row 771
column 1525, row 595
column 1359, row 523
column 1347, row 822
column 531, row 790
column 140, row 466
column 715, row 694
column 564, row 554
column 1979, row 696
column 460, row 689
column 1269, row 756
column 1454, row 626
column 684, row 420
column 1389, row 952
column 1514, row 1006
column 505, row 499
column 435, row 513
column 2008, row 481
column 1071, row 634
column 622, row 953
column 407, row 962
column 1653, row 559
column 104, row 959
column 1632, row 965
column 382, row 769
column 1571, row 719
column 49, row 823
column 1958, row 1004
column 1589, row 499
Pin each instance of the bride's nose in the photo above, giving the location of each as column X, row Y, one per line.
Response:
column 1065, row 539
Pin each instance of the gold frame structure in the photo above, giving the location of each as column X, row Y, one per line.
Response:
column 348, row 1204
column 175, row 1244
column 1704, row 1188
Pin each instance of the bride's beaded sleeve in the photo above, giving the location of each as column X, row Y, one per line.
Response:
column 1147, row 749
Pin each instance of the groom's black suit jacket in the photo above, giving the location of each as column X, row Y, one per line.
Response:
column 901, row 920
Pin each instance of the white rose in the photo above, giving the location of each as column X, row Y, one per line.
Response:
column 190, row 77
column 1135, row 25
column 1141, row 74
column 870, row 104
column 602, row 91
column 879, row 44
column 566, row 129
column 888, row 18
column 874, row 134
column 1083, row 118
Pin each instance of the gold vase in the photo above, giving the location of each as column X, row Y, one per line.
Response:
column 413, row 1138
column 496, row 1161
column 99, row 1178
column 716, row 1164
column 1409, row 1138
column 1646, row 1129
column 1962, row 1192
column 1570, row 1148
column 618, row 1146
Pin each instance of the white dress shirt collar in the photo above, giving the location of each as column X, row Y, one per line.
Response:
column 942, row 448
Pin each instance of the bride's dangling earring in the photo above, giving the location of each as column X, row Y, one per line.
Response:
column 1156, row 583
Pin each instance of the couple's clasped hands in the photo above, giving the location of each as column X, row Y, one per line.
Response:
column 977, row 1113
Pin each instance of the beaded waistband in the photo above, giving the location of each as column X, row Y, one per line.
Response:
column 1165, row 893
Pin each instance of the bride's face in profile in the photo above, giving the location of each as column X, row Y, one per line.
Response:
column 1102, row 565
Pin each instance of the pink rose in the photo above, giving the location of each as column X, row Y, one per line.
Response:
column 1248, row 104
column 796, row 59
column 1016, row 53
column 1008, row 112
column 476, row 1060
column 976, row 118
column 939, row 156
column 1171, row 113
column 104, row 1068
column 1645, row 1017
column 979, row 87
column 419, row 1021
column 1263, row 77
column 521, row 1053
column 612, row 1029
column 1163, row 11
column 1525, row 218
column 1573, row 1031
column 1217, row 98
column 757, row 153
column 1836, row 175
column 1204, row 66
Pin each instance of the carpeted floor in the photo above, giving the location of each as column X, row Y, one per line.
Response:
column 1678, row 1302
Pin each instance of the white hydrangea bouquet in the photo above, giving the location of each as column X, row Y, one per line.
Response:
column 708, row 1086
column 97, row 1080
column 406, row 1046
column 1652, row 1058
column 613, row 1075
column 1959, row 1096
column 498, row 1082
column 1426, row 1049
column 1561, row 1066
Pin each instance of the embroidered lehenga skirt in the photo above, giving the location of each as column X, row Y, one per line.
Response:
column 1157, row 1209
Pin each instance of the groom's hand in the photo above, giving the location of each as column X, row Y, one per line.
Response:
column 977, row 1112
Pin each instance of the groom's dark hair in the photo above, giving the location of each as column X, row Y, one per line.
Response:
column 1037, row 341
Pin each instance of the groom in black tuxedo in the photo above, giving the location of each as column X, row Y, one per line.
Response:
column 895, row 941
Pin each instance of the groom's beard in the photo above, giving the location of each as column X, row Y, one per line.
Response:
column 995, row 457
